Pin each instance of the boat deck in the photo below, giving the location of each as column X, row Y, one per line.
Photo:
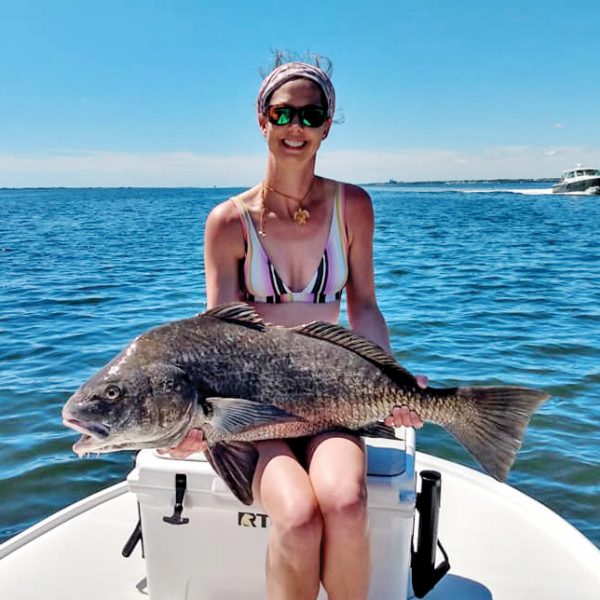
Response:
column 77, row 553
column 502, row 545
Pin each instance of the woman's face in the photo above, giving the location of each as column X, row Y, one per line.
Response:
column 295, row 139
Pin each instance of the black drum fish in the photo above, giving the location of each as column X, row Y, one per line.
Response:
column 239, row 380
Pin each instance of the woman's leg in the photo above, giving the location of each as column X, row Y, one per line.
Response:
column 283, row 488
column 337, row 470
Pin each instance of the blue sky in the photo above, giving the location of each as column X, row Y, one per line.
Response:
column 162, row 93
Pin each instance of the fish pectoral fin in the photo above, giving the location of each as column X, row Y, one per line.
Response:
column 235, row 463
column 233, row 415
column 377, row 430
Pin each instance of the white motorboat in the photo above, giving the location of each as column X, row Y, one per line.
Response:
column 580, row 179
column 199, row 542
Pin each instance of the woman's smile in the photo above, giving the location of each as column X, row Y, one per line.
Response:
column 294, row 143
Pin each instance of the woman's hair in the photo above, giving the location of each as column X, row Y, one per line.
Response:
column 281, row 57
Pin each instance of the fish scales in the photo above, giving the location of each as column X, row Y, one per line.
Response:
column 240, row 380
column 276, row 373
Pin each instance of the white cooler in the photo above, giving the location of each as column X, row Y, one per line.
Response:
column 219, row 552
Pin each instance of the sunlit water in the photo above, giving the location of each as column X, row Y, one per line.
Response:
column 478, row 285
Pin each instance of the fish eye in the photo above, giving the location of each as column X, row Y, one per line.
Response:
column 112, row 391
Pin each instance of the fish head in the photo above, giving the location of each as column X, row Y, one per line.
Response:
column 131, row 404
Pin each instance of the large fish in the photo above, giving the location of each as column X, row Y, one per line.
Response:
column 238, row 379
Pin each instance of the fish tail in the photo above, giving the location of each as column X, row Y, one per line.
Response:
column 492, row 424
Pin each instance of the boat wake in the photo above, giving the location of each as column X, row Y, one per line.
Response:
column 529, row 192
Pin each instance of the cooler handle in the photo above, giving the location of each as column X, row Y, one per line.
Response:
column 180, row 487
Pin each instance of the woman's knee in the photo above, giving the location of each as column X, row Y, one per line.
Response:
column 343, row 501
column 298, row 517
column 337, row 474
column 283, row 488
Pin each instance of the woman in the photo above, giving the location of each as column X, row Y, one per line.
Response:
column 289, row 246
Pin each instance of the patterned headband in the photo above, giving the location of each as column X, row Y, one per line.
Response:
column 295, row 70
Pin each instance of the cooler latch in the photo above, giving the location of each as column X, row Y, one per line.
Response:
column 180, row 487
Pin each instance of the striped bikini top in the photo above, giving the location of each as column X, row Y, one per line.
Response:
column 260, row 281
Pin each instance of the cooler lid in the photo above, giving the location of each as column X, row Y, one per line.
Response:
column 385, row 461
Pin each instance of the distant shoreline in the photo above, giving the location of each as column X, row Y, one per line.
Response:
column 393, row 182
column 388, row 183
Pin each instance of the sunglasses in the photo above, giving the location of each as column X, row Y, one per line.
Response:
column 308, row 116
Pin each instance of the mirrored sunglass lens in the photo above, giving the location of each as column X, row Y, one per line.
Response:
column 313, row 116
column 280, row 115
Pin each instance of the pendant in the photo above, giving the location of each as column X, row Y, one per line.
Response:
column 301, row 216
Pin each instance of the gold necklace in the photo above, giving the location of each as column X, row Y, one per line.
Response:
column 301, row 214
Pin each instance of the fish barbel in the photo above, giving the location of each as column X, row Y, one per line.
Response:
column 240, row 380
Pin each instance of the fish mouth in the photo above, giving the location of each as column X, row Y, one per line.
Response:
column 92, row 434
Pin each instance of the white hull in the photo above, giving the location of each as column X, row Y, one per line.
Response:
column 578, row 181
column 501, row 544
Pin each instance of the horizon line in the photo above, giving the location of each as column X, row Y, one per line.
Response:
column 391, row 183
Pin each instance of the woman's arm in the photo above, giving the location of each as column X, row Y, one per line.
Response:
column 223, row 249
column 363, row 312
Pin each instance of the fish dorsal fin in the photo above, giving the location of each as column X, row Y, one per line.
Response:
column 336, row 334
column 237, row 312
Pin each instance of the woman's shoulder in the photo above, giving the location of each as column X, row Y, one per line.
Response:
column 358, row 208
column 354, row 194
column 358, row 203
column 227, row 213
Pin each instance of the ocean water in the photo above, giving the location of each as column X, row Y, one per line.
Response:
column 479, row 283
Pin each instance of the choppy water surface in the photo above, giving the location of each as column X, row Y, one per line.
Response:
column 478, row 285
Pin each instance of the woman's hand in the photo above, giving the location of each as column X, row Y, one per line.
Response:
column 192, row 442
column 402, row 416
